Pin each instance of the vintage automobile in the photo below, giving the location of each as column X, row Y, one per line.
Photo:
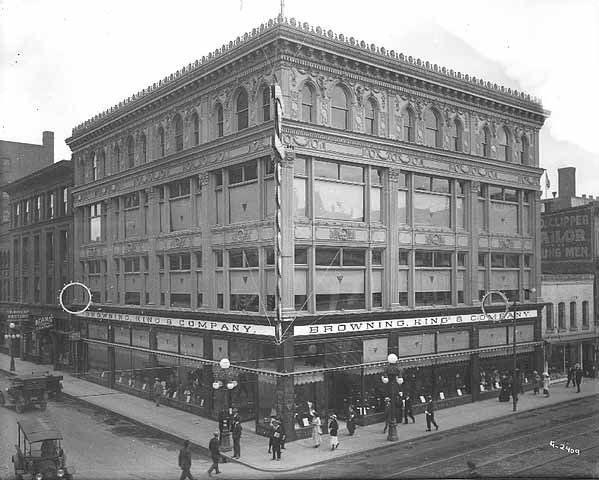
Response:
column 39, row 452
column 29, row 390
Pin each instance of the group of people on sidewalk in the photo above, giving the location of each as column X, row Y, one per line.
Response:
column 575, row 376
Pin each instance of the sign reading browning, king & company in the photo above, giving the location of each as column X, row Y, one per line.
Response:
column 226, row 327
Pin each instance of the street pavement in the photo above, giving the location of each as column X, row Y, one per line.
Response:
column 183, row 425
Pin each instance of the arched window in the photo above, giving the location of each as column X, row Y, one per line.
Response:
column 178, row 133
column 161, row 142
column 144, row 148
column 94, row 166
column 242, row 110
column 431, row 124
column 370, row 119
column 456, row 134
column 218, row 110
column 117, row 159
column 340, row 111
column 485, row 142
column 195, row 121
column 266, row 104
column 102, row 164
column 503, row 141
column 130, row 152
column 524, row 150
column 409, row 122
column 308, row 104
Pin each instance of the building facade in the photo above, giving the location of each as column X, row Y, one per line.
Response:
column 397, row 194
column 570, row 262
column 37, row 262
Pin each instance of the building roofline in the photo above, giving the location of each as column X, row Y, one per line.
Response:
column 62, row 166
column 203, row 66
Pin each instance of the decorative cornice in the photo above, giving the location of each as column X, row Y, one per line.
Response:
column 347, row 50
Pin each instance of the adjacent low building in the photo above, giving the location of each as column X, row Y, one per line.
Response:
column 398, row 193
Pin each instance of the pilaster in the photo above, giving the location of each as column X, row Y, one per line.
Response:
column 474, row 222
column 287, row 236
column 391, row 274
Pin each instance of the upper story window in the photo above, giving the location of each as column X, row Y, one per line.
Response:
column 131, row 200
column 116, row 159
column 338, row 190
column 131, row 265
column 161, row 142
column 503, row 209
column 431, row 123
column 178, row 133
column 50, row 205
column 178, row 262
column 485, row 142
column 409, row 122
column 179, row 188
column 64, row 196
column 585, row 313
column 241, row 110
column 523, row 154
column 95, row 222
column 218, row 114
column 503, row 141
column 266, row 104
column 456, row 135
column 340, row 111
column 573, row 315
column 27, row 212
column 370, row 117
column 130, row 152
column 37, row 208
column 308, row 104
column 17, row 214
column 561, row 316
column 94, row 166
column 432, row 200
column 143, row 144
column 195, row 122
column 102, row 164
column 549, row 316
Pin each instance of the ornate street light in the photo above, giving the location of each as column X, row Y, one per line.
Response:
column 11, row 336
column 393, row 378
column 230, row 384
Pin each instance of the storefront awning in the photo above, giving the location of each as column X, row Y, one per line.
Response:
column 507, row 350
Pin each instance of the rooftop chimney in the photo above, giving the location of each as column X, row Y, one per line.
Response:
column 48, row 144
column 566, row 182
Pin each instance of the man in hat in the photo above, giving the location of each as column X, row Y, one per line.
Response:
column 276, row 436
column 578, row 376
column 236, row 431
column 388, row 413
column 185, row 461
column 430, row 415
column 213, row 446
column 333, row 431
column 157, row 391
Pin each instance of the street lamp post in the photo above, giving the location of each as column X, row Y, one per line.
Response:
column 392, row 377
column 11, row 337
column 230, row 385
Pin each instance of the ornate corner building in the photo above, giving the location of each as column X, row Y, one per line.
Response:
column 405, row 192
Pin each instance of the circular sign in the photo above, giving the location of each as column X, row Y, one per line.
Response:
column 505, row 301
column 72, row 284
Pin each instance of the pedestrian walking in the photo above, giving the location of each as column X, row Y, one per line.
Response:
column 316, row 430
column 333, row 432
column 276, row 440
column 430, row 415
column 236, row 433
column 545, row 384
column 157, row 391
column 388, row 414
column 537, row 382
column 407, row 408
column 185, row 461
column 571, row 376
column 283, row 433
column 271, row 428
column 578, row 377
column 351, row 421
column 213, row 446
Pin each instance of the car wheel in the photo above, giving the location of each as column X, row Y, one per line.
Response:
column 20, row 406
column 2, row 401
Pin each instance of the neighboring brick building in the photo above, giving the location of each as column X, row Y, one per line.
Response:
column 570, row 261
column 39, row 261
column 407, row 192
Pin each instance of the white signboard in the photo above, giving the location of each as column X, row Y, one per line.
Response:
column 334, row 328
column 228, row 327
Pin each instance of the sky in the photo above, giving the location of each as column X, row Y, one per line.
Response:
column 64, row 61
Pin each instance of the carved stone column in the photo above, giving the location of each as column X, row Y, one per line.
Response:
column 474, row 222
column 391, row 275
column 287, row 234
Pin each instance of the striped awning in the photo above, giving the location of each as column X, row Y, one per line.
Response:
column 505, row 350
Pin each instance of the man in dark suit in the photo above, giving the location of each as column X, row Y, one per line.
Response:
column 276, row 436
column 185, row 461
column 407, row 408
column 578, row 377
column 430, row 415
column 236, row 432
column 388, row 414
column 571, row 376
column 213, row 446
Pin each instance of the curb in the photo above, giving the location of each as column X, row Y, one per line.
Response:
column 205, row 450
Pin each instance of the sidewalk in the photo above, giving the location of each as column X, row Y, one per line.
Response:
column 183, row 425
